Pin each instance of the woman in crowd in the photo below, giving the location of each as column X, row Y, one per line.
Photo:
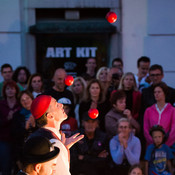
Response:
column 35, row 84
column 23, row 123
column 95, row 100
column 102, row 76
column 125, row 148
column 118, row 111
column 133, row 96
column 7, row 107
column 161, row 113
column 78, row 90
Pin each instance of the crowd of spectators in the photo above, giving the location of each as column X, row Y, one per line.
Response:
column 120, row 141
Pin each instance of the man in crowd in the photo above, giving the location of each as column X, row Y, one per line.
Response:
column 39, row 157
column 117, row 62
column 49, row 114
column 143, row 64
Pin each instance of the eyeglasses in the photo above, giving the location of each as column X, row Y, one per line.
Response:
column 155, row 75
column 123, row 127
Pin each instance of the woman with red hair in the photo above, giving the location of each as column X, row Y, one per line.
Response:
column 8, row 106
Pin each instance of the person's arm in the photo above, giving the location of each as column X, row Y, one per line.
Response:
column 171, row 137
column 117, row 151
column 146, row 168
column 110, row 125
column 147, row 127
column 170, row 169
column 133, row 153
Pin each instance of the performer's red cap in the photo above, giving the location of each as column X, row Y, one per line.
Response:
column 40, row 105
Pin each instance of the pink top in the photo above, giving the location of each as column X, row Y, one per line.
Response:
column 165, row 118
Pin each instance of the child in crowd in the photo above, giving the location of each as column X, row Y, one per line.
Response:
column 70, row 124
column 158, row 154
column 135, row 170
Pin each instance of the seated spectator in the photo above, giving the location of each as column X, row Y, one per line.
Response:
column 7, row 73
column 8, row 107
column 35, row 84
column 89, row 156
column 23, row 124
column 158, row 154
column 70, row 124
column 133, row 96
column 125, row 148
column 160, row 113
column 118, row 111
column 78, row 90
column 142, row 77
column 95, row 99
column 21, row 76
column 135, row 170
column 39, row 157
column 102, row 76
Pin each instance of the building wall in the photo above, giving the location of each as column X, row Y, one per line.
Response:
column 10, row 33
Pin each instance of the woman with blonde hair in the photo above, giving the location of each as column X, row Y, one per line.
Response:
column 78, row 90
column 102, row 76
column 133, row 96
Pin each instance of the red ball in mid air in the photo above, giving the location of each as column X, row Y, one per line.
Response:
column 111, row 17
column 93, row 113
column 69, row 80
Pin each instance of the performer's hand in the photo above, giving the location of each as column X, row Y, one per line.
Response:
column 69, row 142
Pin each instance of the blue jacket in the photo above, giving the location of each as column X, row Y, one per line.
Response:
column 131, row 153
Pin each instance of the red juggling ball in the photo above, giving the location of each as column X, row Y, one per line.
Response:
column 93, row 113
column 69, row 80
column 111, row 17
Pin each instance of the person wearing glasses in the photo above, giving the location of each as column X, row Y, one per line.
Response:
column 125, row 148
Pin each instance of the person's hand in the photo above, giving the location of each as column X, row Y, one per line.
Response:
column 80, row 157
column 127, row 112
column 120, row 137
column 10, row 115
column 30, row 122
column 69, row 142
column 103, row 154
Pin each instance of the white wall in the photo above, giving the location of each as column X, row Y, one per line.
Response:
column 10, row 39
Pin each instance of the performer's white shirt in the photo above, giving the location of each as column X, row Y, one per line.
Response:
column 62, row 167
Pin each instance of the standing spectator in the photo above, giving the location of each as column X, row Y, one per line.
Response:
column 143, row 64
column 156, row 75
column 90, row 69
column 160, row 113
column 117, row 62
column 95, row 100
column 158, row 154
column 102, row 76
column 78, row 90
column 39, row 157
column 118, row 111
column 7, row 108
column 133, row 96
column 59, row 88
column 7, row 72
column 23, row 124
column 21, row 76
column 89, row 156
column 35, row 84
column 70, row 124
column 125, row 148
